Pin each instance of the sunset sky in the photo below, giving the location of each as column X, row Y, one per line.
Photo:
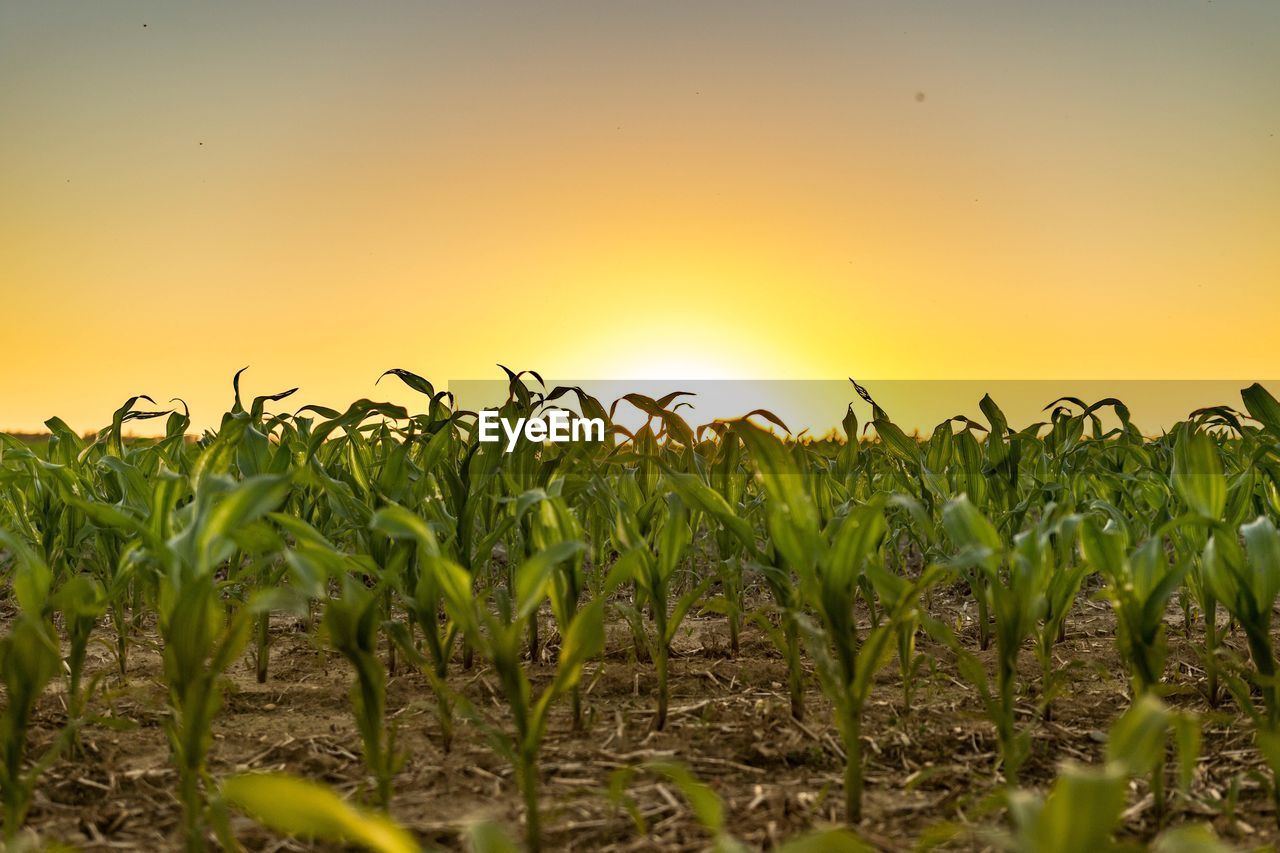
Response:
column 325, row 190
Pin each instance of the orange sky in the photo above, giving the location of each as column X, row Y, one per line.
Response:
column 736, row 189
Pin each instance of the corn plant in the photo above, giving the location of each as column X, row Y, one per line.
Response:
column 720, row 501
column 656, row 558
column 180, row 548
column 81, row 600
column 29, row 660
column 553, row 523
column 1198, row 477
column 793, row 545
column 420, row 585
column 1247, row 583
column 200, row 642
column 726, row 481
column 352, row 622
column 1062, row 581
column 1017, row 598
column 828, row 565
column 893, row 589
column 497, row 634
column 1139, row 585
column 1083, row 807
column 109, row 563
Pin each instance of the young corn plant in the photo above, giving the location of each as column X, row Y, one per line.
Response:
column 421, row 591
column 1015, row 580
column 720, row 501
column 1084, row 805
column 553, row 522
column 1198, row 478
column 654, row 560
column 1062, row 581
column 828, row 565
column 181, row 547
column 29, row 660
column 108, row 563
column 892, row 591
column 1139, row 585
column 352, row 621
column 200, row 641
column 1247, row 583
column 81, row 600
column 794, row 544
column 847, row 664
column 495, row 626
column 728, row 482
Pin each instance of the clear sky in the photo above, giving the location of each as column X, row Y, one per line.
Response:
column 324, row 190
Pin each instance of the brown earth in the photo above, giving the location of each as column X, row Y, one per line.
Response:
column 930, row 768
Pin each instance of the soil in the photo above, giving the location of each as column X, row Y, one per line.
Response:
column 931, row 767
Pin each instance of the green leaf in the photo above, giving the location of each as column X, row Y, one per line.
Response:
column 585, row 638
column 1186, row 733
column 1104, row 548
column 857, row 537
column 33, row 578
column 1197, row 473
column 1263, row 407
column 1137, row 740
column 897, row 441
column 783, row 481
column 704, row 802
column 1268, row 743
column 675, row 536
column 702, row 497
column 248, row 501
column 298, row 807
column 455, row 587
column 970, row 531
column 1078, row 815
column 1262, row 542
column 534, row 574
column 399, row 523
column 486, row 836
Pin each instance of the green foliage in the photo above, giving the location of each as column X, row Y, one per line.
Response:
column 829, row 564
column 1139, row 585
column 495, row 627
column 352, row 624
column 1247, row 584
column 415, row 542
column 310, row 810
column 29, row 660
column 1081, row 810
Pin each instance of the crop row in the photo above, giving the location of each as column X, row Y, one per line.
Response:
column 404, row 541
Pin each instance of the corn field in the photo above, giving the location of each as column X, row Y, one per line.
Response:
column 368, row 628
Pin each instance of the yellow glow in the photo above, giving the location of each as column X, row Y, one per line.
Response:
column 750, row 194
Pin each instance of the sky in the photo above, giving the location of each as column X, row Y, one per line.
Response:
column 702, row 190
